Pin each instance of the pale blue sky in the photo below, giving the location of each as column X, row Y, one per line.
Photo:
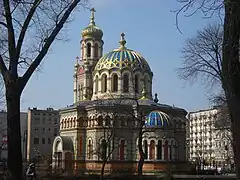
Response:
column 150, row 30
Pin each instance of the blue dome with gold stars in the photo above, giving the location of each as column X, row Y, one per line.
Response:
column 157, row 118
column 122, row 58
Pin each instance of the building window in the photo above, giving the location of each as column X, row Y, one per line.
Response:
column 121, row 149
column 80, row 145
column 88, row 49
column 107, row 121
column 166, row 150
column 90, row 149
column 96, row 85
column 122, row 123
column 36, row 130
column 125, row 83
column 104, row 83
column 43, row 140
column 136, row 84
column 100, row 121
column 43, row 130
column 49, row 141
column 146, row 83
column 49, row 121
column 103, row 149
column 114, row 83
column 159, row 150
column 145, row 145
column 49, row 129
column 96, row 50
column 35, row 140
column 43, row 121
column 37, row 120
column 152, row 149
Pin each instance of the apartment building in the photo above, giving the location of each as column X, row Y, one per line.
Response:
column 43, row 126
column 207, row 143
column 3, row 134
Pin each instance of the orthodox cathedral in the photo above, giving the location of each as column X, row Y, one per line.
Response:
column 113, row 107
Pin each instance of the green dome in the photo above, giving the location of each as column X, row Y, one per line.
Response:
column 122, row 58
column 92, row 30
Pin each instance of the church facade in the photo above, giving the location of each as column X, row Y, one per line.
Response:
column 113, row 107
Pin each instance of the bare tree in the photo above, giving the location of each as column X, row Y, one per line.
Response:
column 202, row 56
column 106, row 147
column 230, row 57
column 28, row 29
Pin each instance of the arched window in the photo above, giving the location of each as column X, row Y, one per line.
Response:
column 90, row 149
column 107, row 121
column 152, row 149
column 82, row 50
column 125, row 83
column 115, row 83
column 96, row 85
column 166, row 150
column 145, row 146
column 80, row 92
column 71, row 123
column 159, row 150
column 65, row 123
column 146, row 83
column 80, row 145
column 136, row 84
column 96, row 50
column 171, row 151
column 68, row 123
column 103, row 149
column 74, row 122
column 121, row 149
column 104, row 83
column 88, row 49
column 100, row 121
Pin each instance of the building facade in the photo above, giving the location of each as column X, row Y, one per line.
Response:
column 208, row 143
column 43, row 127
column 113, row 104
column 3, row 134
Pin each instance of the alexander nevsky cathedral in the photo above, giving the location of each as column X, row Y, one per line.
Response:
column 113, row 106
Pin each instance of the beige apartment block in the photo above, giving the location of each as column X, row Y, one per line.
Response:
column 206, row 142
column 43, row 127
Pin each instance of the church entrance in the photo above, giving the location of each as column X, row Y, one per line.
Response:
column 68, row 161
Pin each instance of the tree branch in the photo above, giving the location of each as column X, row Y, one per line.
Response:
column 11, row 39
column 25, row 26
column 3, row 68
column 47, row 44
column 4, row 24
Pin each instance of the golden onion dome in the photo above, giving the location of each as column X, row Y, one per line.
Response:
column 122, row 58
column 92, row 30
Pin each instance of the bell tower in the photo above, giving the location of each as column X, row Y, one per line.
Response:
column 91, row 50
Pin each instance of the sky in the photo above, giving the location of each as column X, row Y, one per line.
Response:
column 149, row 28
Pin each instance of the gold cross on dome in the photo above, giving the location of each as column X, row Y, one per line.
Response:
column 92, row 17
column 122, row 35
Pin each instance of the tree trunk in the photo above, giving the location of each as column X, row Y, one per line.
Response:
column 231, row 71
column 103, row 168
column 13, row 95
column 234, row 109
